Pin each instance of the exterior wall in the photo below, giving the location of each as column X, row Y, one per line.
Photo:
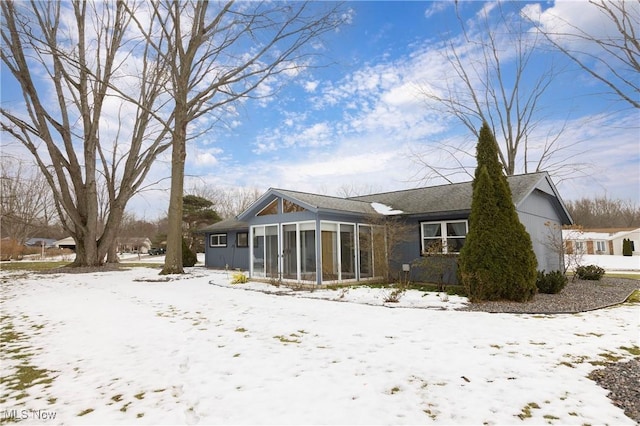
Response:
column 424, row 269
column 542, row 222
column 230, row 256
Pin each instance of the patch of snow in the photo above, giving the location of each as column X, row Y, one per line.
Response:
column 612, row 263
column 385, row 210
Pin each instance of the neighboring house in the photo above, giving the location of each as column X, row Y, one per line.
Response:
column 600, row 241
column 133, row 245
column 125, row 245
column 40, row 242
column 318, row 239
column 66, row 243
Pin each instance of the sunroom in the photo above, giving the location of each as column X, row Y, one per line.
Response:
column 313, row 239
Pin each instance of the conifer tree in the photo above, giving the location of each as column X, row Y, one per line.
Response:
column 497, row 260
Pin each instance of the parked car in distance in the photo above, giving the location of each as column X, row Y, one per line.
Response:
column 154, row 251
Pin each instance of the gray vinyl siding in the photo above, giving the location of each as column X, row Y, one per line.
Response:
column 231, row 257
column 538, row 215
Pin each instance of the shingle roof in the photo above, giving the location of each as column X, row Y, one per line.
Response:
column 449, row 197
column 325, row 202
column 230, row 224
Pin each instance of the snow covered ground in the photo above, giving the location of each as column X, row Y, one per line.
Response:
column 125, row 348
column 613, row 263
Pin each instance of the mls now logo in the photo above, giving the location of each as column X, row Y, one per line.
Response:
column 17, row 415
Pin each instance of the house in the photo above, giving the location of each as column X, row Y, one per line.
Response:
column 124, row 245
column 606, row 241
column 133, row 245
column 66, row 243
column 317, row 239
column 40, row 242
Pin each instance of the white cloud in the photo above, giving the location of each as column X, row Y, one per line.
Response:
column 310, row 86
column 436, row 7
column 567, row 26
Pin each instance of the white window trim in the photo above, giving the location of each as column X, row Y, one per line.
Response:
column 218, row 244
column 443, row 231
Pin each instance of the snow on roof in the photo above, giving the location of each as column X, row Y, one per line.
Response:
column 385, row 210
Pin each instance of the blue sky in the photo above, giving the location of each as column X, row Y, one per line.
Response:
column 360, row 123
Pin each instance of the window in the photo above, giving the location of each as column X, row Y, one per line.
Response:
column 443, row 236
column 218, row 240
column 579, row 247
column 242, row 239
column 290, row 207
column 272, row 208
column 600, row 247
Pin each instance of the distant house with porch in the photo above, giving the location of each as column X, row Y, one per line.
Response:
column 317, row 239
column 606, row 241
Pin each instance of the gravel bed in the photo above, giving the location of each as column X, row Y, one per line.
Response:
column 577, row 296
column 622, row 379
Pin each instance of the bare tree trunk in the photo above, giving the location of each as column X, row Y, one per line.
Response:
column 173, row 258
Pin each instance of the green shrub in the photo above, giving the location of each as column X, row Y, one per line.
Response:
column 189, row 258
column 551, row 283
column 497, row 261
column 589, row 272
column 626, row 247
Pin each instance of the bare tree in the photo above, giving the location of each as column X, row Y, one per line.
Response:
column 26, row 204
column 218, row 53
column 495, row 80
column 228, row 202
column 91, row 61
column 613, row 57
column 604, row 212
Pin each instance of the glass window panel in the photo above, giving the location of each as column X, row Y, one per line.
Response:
column 290, row 207
column 431, row 230
column 289, row 252
column 258, row 251
column 271, row 251
column 456, row 229
column 218, row 240
column 308, row 255
column 365, row 244
column 272, row 208
column 347, row 252
column 454, row 245
column 329, row 242
column 242, row 239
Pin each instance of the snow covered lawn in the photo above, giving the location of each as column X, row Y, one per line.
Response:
column 115, row 348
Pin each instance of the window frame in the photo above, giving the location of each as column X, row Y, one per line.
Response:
column 218, row 238
column 246, row 240
column 443, row 234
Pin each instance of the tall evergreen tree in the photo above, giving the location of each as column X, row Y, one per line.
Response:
column 497, row 260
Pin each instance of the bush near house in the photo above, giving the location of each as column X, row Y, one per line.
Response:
column 589, row 272
column 551, row 283
column 627, row 247
column 189, row 258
